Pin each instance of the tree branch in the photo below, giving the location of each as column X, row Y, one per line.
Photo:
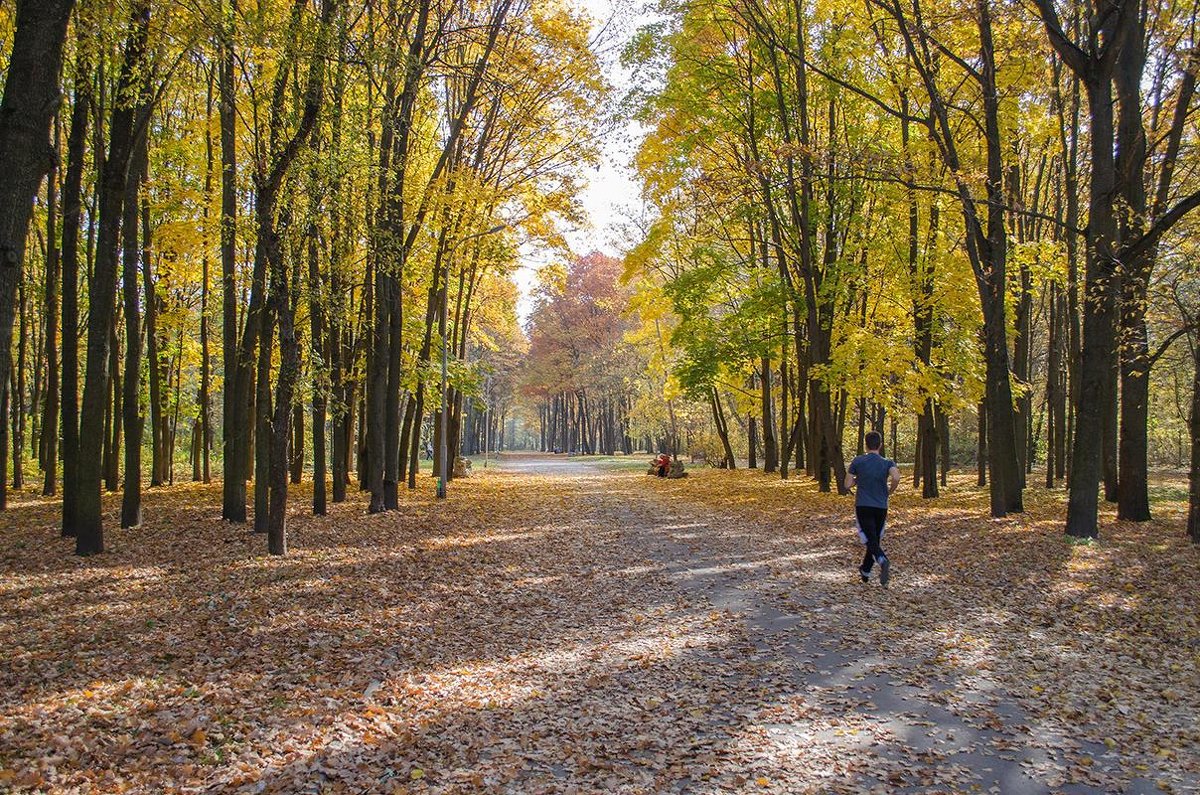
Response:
column 1165, row 344
column 888, row 109
column 1161, row 226
column 1072, row 56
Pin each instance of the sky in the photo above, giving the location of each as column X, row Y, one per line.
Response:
column 612, row 186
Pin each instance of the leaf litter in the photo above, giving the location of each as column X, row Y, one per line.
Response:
column 596, row 631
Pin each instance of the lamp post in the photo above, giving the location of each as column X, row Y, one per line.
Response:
column 444, row 425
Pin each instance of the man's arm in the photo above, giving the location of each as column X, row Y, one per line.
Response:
column 893, row 478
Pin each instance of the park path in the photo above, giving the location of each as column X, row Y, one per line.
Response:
column 824, row 711
column 560, row 625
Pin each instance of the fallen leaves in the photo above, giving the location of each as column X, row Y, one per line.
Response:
column 590, row 632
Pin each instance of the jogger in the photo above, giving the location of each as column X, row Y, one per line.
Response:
column 876, row 478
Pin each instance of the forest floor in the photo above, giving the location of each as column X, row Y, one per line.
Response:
column 564, row 626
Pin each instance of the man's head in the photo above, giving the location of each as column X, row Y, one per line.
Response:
column 874, row 441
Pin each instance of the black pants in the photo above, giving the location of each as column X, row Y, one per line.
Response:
column 871, row 520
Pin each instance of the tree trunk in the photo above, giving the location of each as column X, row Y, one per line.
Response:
column 31, row 99
column 770, row 446
column 280, row 433
column 320, row 386
column 194, row 444
column 112, row 443
column 752, row 443
column 927, row 431
column 275, row 430
column 276, row 523
column 341, row 431
column 1133, row 497
column 1096, row 382
column 985, row 239
column 72, row 210
column 263, row 425
column 722, row 428
column 943, row 435
column 102, row 292
column 981, row 450
column 1053, row 385
column 296, row 451
column 785, row 426
column 18, row 388
column 155, row 367
column 4, row 390
column 131, row 497
column 51, row 407
column 860, row 446
column 205, row 390
column 236, row 394
column 1194, row 475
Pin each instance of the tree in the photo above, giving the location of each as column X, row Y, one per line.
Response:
column 31, row 99
column 123, row 132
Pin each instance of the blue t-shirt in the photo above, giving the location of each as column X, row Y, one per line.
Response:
column 871, row 470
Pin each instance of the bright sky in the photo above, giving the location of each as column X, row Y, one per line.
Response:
column 612, row 188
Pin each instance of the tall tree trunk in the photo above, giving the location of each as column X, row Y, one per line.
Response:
column 31, row 99
column 51, row 408
column 341, row 401
column 770, row 446
column 205, row 390
column 785, row 426
column 1096, row 384
column 1133, row 497
column 981, row 449
column 262, row 414
column 36, row 396
column 1068, row 110
column 1007, row 477
column 131, row 497
column 752, row 442
column 1054, row 385
column 722, row 428
column 282, row 299
column 296, row 451
column 112, row 443
column 90, row 538
column 280, row 432
column 18, row 387
column 72, row 211
column 4, row 398
column 943, row 434
column 928, row 446
column 320, row 384
column 986, row 238
column 376, row 388
column 156, row 368
column 205, row 396
column 1194, row 426
column 921, row 274
column 236, row 395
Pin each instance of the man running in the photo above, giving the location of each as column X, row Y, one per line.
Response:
column 876, row 478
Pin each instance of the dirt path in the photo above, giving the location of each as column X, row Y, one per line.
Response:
column 816, row 707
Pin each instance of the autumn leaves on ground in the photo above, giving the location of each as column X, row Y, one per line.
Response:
column 559, row 626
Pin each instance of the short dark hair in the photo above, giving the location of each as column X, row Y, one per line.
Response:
column 874, row 440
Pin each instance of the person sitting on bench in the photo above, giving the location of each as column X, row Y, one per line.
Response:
column 662, row 465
